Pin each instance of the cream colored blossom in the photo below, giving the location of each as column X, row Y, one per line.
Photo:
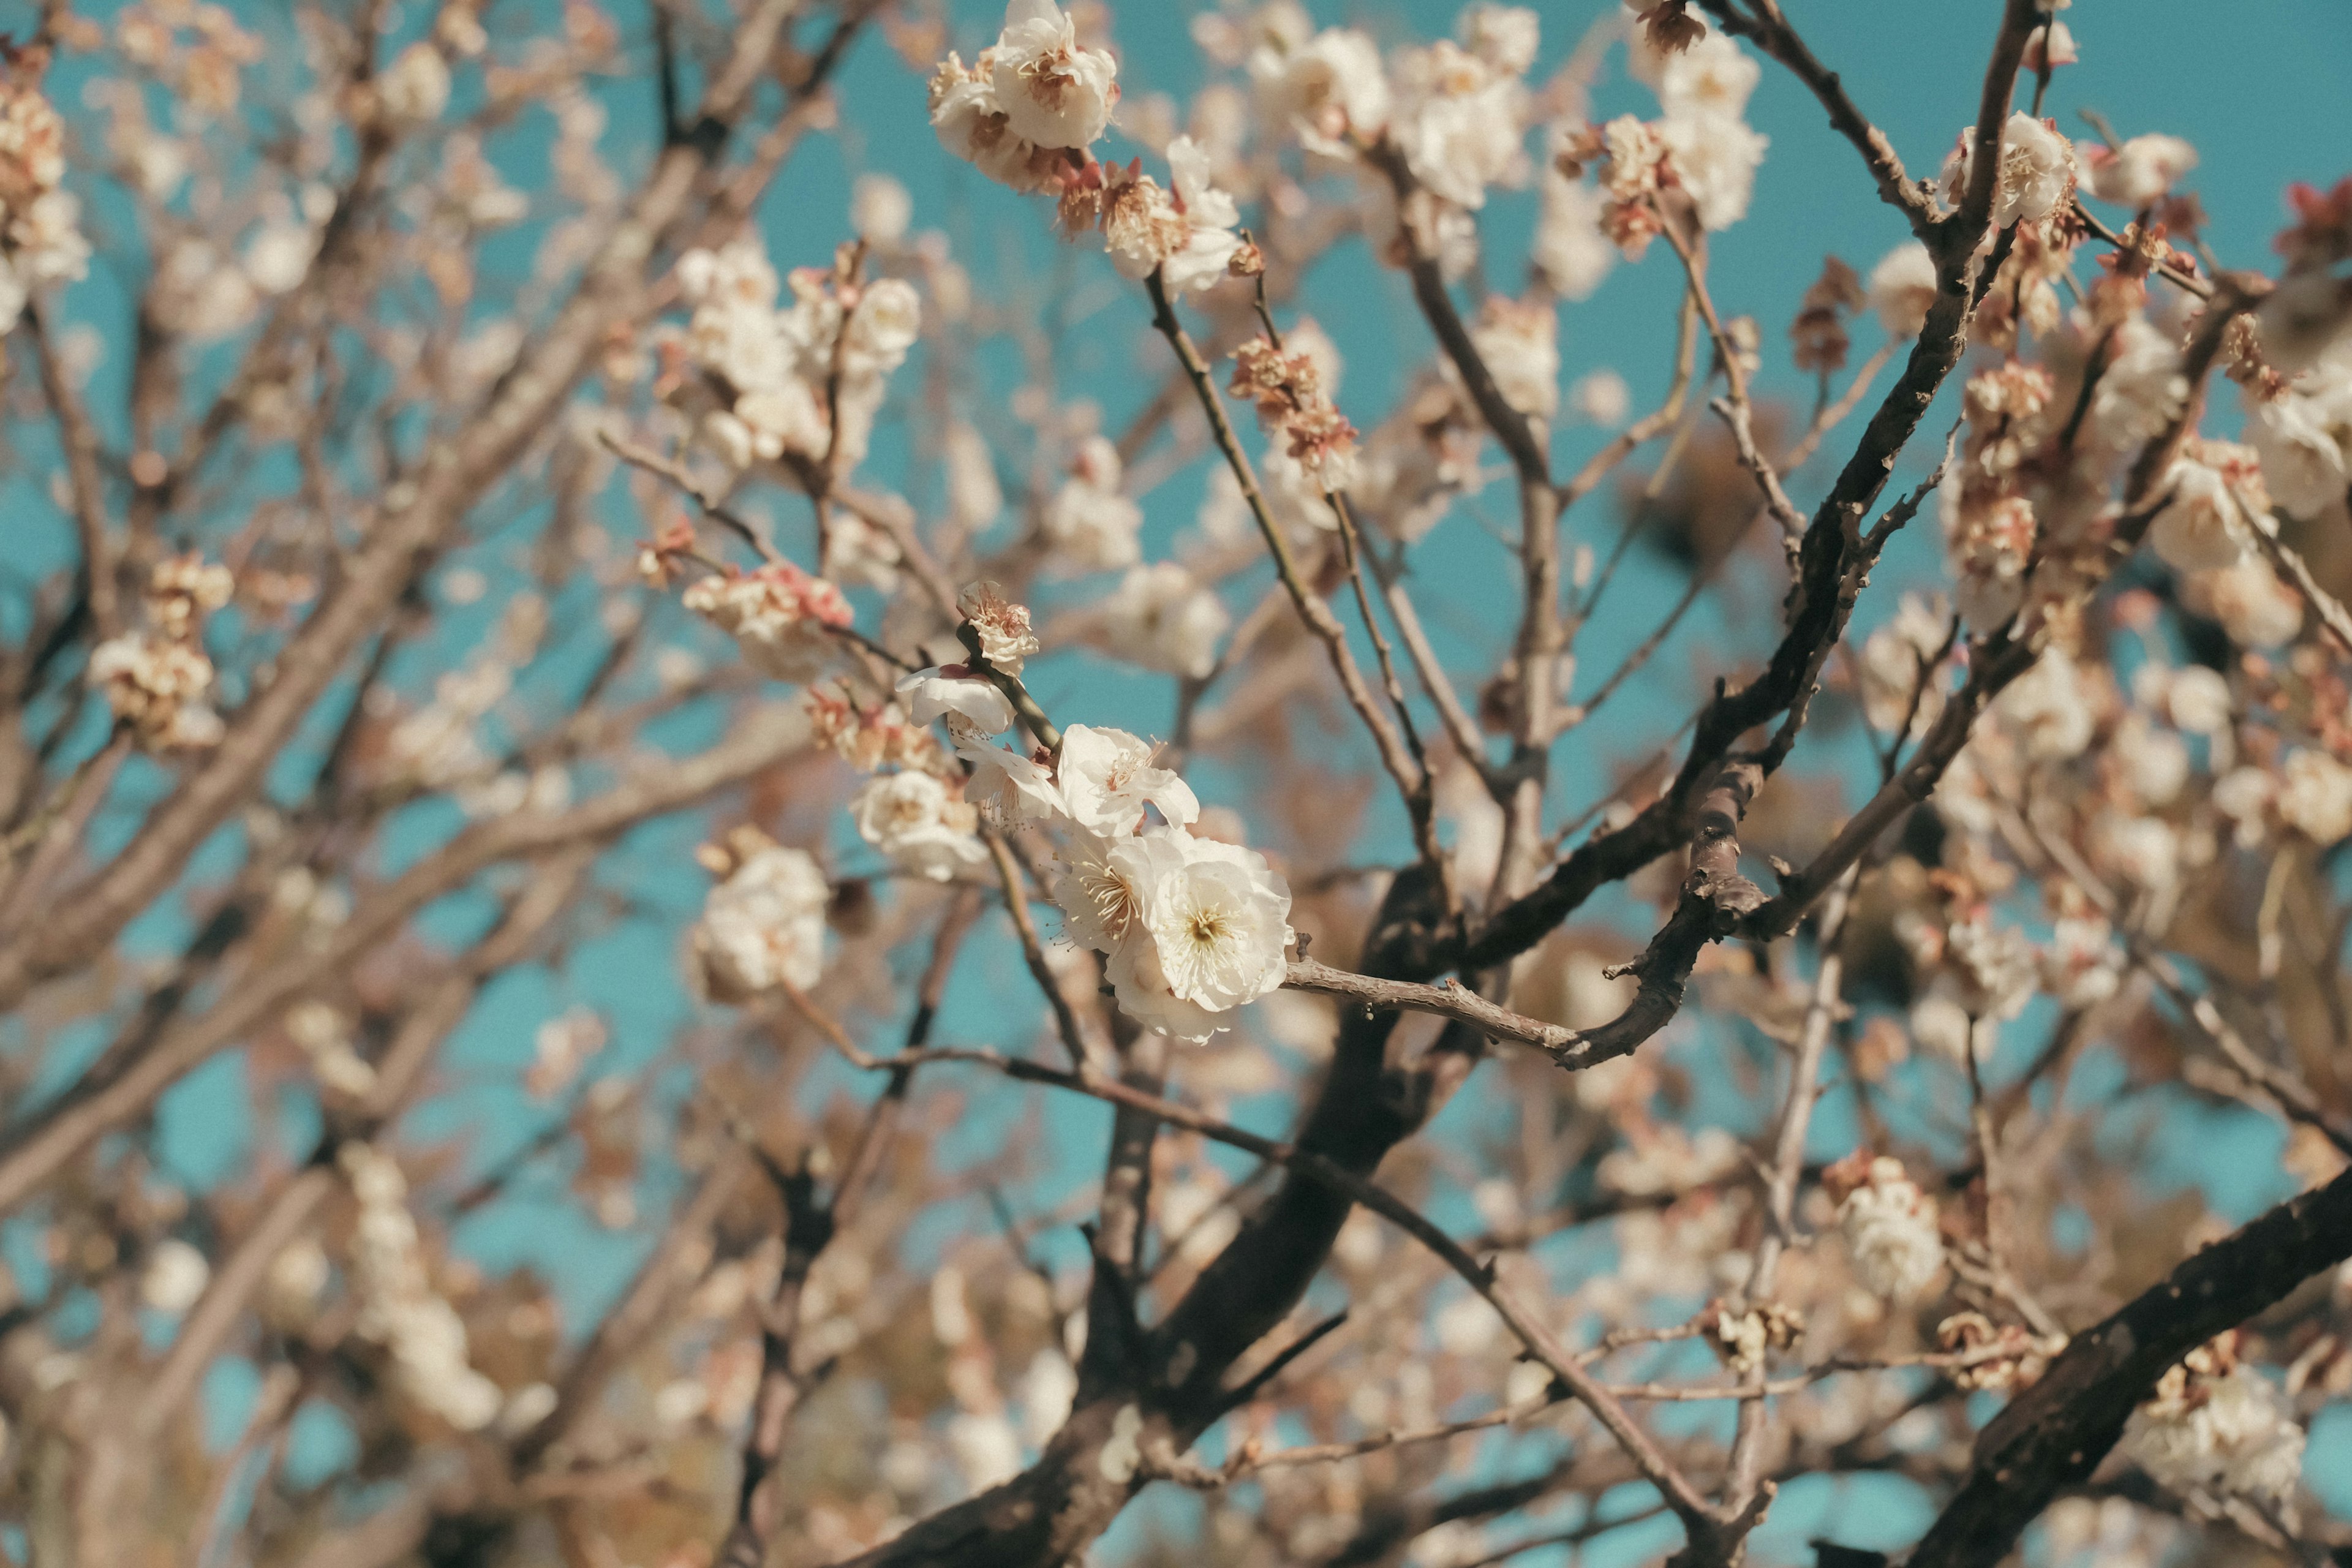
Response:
column 1898, row 676
column 1209, row 934
column 399, row 1308
column 1163, row 618
column 416, row 87
column 1602, row 397
column 1185, row 234
column 763, row 925
column 1008, row 786
column 1715, row 157
column 2227, row 1431
column 1890, row 1231
column 175, row 1279
column 2212, row 509
column 880, row 209
column 157, row 686
column 2140, row 172
column 2314, row 795
column 779, row 617
column 1460, row 120
column 1519, row 341
column 1903, row 288
column 913, row 819
column 2303, row 439
column 969, row 703
column 1052, row 90
column 1001, row 626
column 1107, row 779
column 1571, row 250
column 1327, row 90
column 2037, row 171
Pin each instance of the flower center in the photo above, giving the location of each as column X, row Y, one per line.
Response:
column 1208, row 928
column 1113, row 897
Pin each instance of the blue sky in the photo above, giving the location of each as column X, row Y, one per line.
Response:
column 2257, row 86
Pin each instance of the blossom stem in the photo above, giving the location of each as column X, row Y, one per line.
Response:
column 1413, row 780
column 1015, row 692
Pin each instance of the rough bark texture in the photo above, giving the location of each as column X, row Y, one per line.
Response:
column 2056, row 1433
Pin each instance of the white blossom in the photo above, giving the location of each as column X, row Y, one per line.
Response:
column 1209, row 932
column 2243, row 795
column 416, row 87
column 175, row 1277
column 967, row 702
column 1096, row 883
column 1163, row 618
column 399, row 1308
column 277, row 257
column 2205, row 523
column 779, row 617
column 1106, row 778
column 2048, row 710
column 2145, row 851
column 764, row 925
column 2255, row 607
column 880, row 209
column 857, row 551
column 2303, row 439
column 1326, row 89
column 157, row 687
column 1090, row 524
column 2231, row 1433
column 2138, row 173
column 974, row 498
column 1048, row 1390
column 1571, row 250
column 1890, row 1232
column 1519, row 341
column 971, row 123
column 2314, row 795
column 1602, row 397
column 1001, row 626
column 2198, row 699
column 1896, row 676
column 1052, row 90
column 1713, row 77
column 986, row 1448
column 1459, row 122
column 1009, row 786
column 913, row 819
column 2153, row 762
column 2037, row 171
column 2140, row 390
column 1185, row 234
column 1903, row 288
column 1716, row 157
column 1506, row 36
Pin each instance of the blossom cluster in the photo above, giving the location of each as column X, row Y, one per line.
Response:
column 1190, row 927
column 797, row 385
column 41, row 242
column 763, row 926
column 1890, row 1228
column 2217, row 1426
column 1700, row 152
column 780, row 617
column 156, row 680
column 1287, row 389
column 398, row 1306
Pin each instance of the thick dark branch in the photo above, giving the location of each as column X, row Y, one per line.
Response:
column 2056, row 1433
column 1830, row 559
